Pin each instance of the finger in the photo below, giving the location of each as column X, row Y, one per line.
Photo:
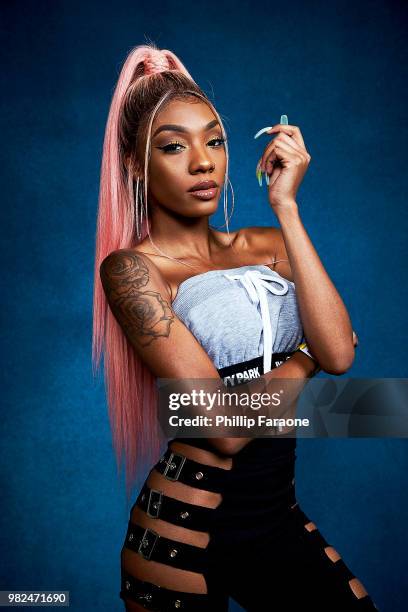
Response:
column 290, row 141
column 283, row 138
column 273, row 169
column 291, row 130
column 280, row 151
column 285, row 156
column 269, row 159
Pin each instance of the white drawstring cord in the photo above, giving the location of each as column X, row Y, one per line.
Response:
column 256, row 286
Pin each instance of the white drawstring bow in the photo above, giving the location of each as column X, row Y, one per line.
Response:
column 256, row 286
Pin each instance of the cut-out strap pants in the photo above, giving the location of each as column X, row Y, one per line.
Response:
column 294, row 571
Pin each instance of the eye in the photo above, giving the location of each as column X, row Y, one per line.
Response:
column 170, row 148
column 221, row 140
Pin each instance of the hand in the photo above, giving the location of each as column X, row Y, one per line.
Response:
column 285, row 161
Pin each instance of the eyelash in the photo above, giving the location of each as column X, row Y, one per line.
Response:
column 176, row 143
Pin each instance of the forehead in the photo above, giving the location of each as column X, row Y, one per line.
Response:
column 194, row 115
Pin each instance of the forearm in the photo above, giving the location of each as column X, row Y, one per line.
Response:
column 324, row 317
column 299, row 367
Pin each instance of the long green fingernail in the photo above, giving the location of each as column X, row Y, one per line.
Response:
column 258, row 173
column 260, row 177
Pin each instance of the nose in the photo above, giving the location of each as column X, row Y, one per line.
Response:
column 201, row 161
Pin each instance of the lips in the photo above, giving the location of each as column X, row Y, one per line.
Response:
column 203, row 186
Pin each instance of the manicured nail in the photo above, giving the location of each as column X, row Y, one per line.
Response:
column 267, row 178
column 258, row 171
column 284, row 120
column 262, row 131
column 260, row 178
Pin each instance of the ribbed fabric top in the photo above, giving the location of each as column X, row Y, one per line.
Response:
column 240, row 313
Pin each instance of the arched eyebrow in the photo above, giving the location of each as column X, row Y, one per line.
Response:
column 171, row 127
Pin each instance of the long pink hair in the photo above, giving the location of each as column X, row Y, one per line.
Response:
column 150, row 78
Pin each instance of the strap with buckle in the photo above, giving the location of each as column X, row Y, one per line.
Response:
column 175, row 466
column 150, row 545
column 154, row 503
column 155, row 597
column 158, row 505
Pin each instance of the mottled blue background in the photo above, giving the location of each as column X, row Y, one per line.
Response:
column 337, row 70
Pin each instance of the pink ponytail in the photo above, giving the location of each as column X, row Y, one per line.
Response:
column 145, row 79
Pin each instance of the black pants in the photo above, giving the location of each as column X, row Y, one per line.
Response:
column 289, row 572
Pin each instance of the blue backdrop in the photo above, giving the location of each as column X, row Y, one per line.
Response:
column 336, row 70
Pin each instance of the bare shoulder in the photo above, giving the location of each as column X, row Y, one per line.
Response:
column 268, row 242
column 127, row 270
column 260, row 239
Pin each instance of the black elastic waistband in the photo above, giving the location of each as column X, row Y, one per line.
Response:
column 253, row 368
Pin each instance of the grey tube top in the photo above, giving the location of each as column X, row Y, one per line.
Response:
column 239, row 314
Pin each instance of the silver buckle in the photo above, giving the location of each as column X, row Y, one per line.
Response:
column 145, row 547
column 154, row 503
column 172, row 465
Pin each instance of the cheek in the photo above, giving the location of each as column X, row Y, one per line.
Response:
column 167, row 165
column 165, row 176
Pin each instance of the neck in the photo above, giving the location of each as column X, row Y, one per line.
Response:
column 181, row 237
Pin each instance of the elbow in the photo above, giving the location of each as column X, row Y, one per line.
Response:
column 340, row 363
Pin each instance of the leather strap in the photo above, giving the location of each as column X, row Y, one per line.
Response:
column 150, row 545
column 175, row 466
column 158, row 505
column 157, row 598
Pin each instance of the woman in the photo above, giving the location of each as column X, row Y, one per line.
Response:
column 216, row 517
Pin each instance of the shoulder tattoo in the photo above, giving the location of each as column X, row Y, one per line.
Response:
column 143, row 314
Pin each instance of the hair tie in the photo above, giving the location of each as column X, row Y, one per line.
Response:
column 156, row 62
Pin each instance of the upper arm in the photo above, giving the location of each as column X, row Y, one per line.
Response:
column 140, row 300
